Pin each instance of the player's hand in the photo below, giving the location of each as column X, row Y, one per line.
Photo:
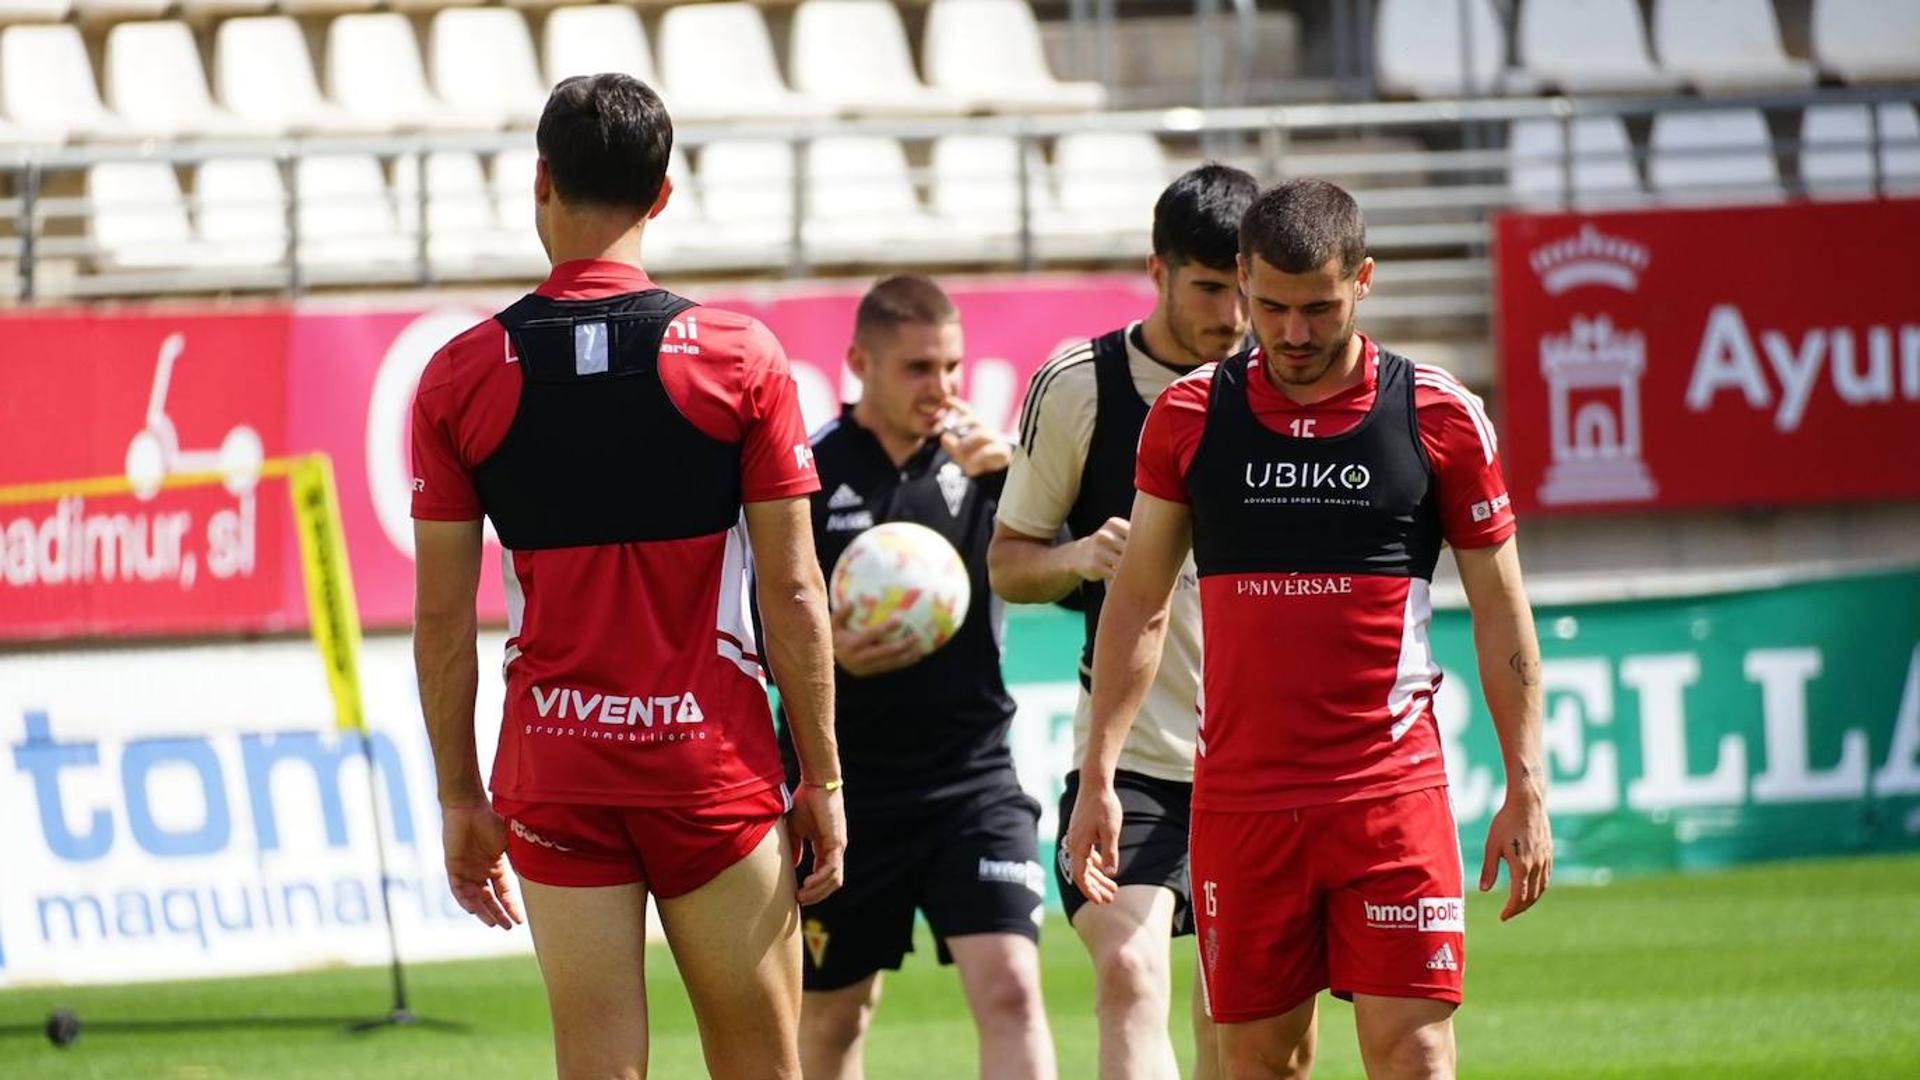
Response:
column 1093, row 839
column 1521, row 836
column 976, row 448
column 819, row 820
column 874, row 651
column 475, row 840
column 1097, row 555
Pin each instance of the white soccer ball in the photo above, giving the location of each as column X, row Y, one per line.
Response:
column 906, row 576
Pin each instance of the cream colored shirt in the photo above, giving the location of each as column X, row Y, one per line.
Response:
column 1056, row 427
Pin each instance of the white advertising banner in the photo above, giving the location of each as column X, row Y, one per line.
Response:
column 192, row 811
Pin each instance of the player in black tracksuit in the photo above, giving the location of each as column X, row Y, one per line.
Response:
column 936, row 819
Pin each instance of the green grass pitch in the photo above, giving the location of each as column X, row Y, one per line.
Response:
column 1801, row 970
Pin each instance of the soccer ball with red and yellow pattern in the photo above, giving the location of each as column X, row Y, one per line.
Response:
column 905, row 576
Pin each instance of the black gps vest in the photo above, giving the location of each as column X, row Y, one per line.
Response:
column 1360, row 502
column 1106, row 479
column 597, row 452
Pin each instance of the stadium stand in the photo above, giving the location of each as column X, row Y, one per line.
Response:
column 138, row 216
column 466, row 235
column 47, row 83
column 1602, row 167
column 1726, row 46
column 346, row 218
column 240, row 214
column 106, row 11
column 1589, row 47
column 34, row 10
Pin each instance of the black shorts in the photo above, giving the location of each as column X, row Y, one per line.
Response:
column 972, row 864
column 1153, row 841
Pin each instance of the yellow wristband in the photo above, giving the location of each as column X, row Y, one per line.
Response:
column 831, row 785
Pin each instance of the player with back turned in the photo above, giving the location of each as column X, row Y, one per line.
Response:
column 1074, row 467
column 936, row 819
column 1314, row 479
column 631, row 448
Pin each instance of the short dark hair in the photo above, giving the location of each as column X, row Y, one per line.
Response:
column 1297, row 226
column 902, row 300
column 606, row 140
column 1197, row 219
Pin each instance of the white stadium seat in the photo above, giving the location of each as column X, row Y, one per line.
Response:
column 1604, row 173
column 14, row 136
column 1419, row 50
column 136, row 216
column 595, row 38
column 465, row 235
column 1726, row 46
column 12, row 11
column 717, row 63
column 853, row 55
column 1589, row 47
column 1867, row 40
column 1719, row 155
column 240, row 210
column 746, row 193
column 862, row 207
column 1836, row 157
column 46, row 83
column 263, row 71
column 989, row 51
column 346, row 214
column 155, row 80
column 976, row 181
column 483, row 62
column 510, row 178
column 1107, row 184
column 374, row 71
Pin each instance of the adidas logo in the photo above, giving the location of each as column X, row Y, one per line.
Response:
column 1443, row 960
column 844, row 498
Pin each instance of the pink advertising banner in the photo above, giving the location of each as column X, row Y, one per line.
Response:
column 156, row 392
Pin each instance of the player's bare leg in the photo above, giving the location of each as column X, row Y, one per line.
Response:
column 833, row 1030
column 1128, row 941
column 591, row 944
column 1274, row 1048
column 1001, row 975
column 737, row 942
column 1206, row 1040
column 1405, row 1038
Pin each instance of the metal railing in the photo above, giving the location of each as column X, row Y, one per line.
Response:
column 1430, row 176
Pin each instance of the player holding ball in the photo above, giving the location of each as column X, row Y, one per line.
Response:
column 937, row 821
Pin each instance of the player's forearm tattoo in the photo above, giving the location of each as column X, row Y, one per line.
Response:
column 1528, row 670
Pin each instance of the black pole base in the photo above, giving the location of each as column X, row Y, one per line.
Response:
column 398, row 1018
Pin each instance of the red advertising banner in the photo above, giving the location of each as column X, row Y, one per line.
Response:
column 1714, row 357
column 77, row 400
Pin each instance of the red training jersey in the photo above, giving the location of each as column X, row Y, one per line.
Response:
column 1325, row 694
column 632, row 673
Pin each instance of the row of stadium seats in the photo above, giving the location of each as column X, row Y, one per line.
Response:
column 1719, row 155
column 1600, row 46
column 481, row 71
column 356, row 213
column 864, row 201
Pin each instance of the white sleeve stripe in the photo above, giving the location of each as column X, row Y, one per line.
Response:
column 1481, row 425
column 1043, row 381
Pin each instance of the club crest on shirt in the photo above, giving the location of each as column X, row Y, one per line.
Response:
column 953, row 486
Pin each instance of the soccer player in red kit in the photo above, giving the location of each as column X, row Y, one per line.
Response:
column 1315, row 478
column 632, row 450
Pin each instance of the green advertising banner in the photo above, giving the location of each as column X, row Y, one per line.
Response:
column 1682, row 732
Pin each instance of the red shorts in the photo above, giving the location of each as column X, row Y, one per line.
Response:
column 673, row 850
column 1360, row 897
